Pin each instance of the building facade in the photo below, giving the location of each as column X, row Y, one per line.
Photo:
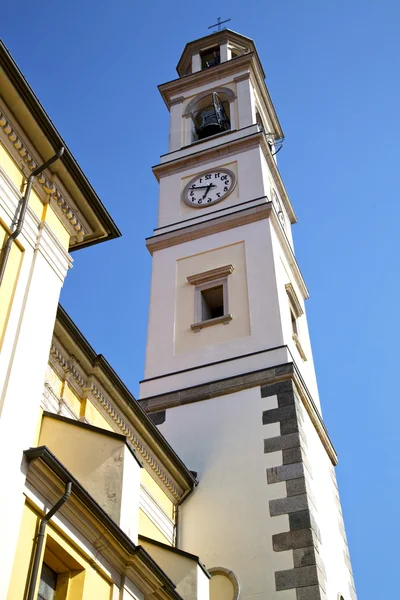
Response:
column 101, row 500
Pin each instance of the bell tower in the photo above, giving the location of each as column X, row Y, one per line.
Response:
column 229, row 375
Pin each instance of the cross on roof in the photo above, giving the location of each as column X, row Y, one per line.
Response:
column 219, row 23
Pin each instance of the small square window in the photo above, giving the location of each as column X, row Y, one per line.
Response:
column 212, row 303
column 211, row 297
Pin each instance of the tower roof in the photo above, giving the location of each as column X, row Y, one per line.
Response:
column 242, row 42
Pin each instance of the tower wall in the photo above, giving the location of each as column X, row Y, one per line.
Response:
column 267, row 506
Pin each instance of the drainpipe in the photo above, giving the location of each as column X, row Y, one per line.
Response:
column 40, row 540
column 24, row 205
column 179, row 504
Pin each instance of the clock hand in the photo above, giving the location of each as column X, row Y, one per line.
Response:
column 207, row 190
column 202, row 187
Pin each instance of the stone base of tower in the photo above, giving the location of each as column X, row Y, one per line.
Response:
column 272, row 464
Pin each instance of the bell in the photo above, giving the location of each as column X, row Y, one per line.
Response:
column 213, row 119
column 209, row 124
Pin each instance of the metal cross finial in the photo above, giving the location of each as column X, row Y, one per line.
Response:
column 219, row 23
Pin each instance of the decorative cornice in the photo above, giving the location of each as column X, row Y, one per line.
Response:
column 210, row 275
column 294, row 299
column 47, row 186
column 211, row 226
column 86, row 384
column 139, row 446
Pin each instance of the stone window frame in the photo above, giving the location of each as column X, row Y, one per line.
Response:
column 205, row 281
column 295, row 310
column 58, row 559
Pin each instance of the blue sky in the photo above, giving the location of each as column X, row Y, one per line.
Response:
column 333, row 72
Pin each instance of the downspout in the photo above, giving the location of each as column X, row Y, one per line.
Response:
column 24, row 205
column 179, row 504
column 40, row 540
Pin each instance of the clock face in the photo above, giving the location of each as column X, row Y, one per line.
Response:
column 209, row 187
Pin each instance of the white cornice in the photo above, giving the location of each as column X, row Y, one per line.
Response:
column 209, row 227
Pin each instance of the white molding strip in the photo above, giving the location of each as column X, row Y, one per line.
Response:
column 156, row 514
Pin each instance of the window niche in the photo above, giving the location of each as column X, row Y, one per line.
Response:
column 60, row 573
column 211, row 57
column 295, row 313
column 211, row 297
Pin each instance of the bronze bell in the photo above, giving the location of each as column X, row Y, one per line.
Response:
column 213, row 119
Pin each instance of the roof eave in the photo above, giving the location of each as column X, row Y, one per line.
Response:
column 54, row 138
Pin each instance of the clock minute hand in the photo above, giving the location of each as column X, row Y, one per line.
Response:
column 202, row 187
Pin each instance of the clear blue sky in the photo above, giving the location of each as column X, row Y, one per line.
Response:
column 333, row 73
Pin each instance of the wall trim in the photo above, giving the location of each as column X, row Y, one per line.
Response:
column 230, row 385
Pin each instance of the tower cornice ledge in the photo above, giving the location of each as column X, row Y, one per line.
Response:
column 214, row 152
column 230, row 385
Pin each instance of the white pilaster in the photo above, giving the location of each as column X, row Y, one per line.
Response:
column 175, row 130
column 245, row 101
column 196, row 63
column 27, row 344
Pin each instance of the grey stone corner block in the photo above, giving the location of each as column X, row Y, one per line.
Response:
column 274, row 389
column 294, row 487
column 303, row 557
column 285, row 472
column 293, row 455
column 299, row 577
column 283, row 506
column 281, row 442
column 303, row 519
column 275, row 415
column 291, row 540
column 313, row 592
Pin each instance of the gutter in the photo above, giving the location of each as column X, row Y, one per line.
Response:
column 39, row 114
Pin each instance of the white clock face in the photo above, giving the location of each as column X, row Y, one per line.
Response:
column 209, row 187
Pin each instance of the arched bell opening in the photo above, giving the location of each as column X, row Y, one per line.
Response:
column 210, row 116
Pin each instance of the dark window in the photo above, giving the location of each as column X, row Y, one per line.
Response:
column 212, row 303
column 294, row 321
column 48, row 584
column 210, row 57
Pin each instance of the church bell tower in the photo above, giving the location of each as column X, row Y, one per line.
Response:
column 229, row 376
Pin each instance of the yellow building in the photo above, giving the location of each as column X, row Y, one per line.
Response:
column 96, row 503
column 68, row 425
